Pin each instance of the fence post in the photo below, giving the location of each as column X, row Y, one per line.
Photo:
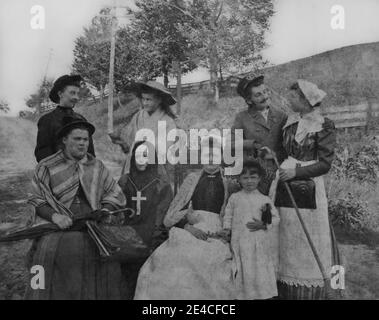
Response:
column 368, row 116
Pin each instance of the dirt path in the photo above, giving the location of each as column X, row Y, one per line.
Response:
column 361, row 265
column 17, row 140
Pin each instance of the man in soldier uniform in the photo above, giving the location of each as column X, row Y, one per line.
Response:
column 262, row 126
column 65, row 93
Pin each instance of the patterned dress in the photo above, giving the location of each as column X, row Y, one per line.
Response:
column 74, row 269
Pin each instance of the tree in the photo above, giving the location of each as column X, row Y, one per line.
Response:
column 41, row 96
column 228, row 33
column 135, row 59
column 156, row 26
column 4, row 106
column 92, row 50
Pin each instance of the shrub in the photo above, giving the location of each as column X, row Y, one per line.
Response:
column 349, row 213
column 361, row 164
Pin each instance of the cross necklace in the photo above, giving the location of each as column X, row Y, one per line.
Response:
column 139, row 197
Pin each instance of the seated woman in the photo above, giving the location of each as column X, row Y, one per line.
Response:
column 149, row 196
column 194, row 263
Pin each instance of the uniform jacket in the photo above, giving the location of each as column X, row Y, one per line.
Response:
column 269, row 134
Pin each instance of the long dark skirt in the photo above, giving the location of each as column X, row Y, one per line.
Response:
column 74, row 269
column 292, row 292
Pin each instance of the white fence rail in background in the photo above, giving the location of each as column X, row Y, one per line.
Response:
column 352, row 116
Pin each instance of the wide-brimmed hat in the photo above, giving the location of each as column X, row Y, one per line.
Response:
column 70, row 123
column 61, row 83
column 311, row 92
column 245, row 82
column 158, row 87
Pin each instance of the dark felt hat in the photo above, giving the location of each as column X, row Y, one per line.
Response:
column 61, row 83
column 244, row 83
column 159, row 88
column 70, row 123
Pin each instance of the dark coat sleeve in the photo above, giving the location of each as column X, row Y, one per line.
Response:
column 45, row 139
column 248, row 144
column 281, row 153
column 122, row 182
column 326, row 142
column 165, row 197
column 91, row 148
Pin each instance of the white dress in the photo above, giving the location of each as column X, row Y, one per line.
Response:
column 255, row 254
column 186, row 268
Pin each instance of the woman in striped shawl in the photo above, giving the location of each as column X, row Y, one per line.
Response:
column 69, row 183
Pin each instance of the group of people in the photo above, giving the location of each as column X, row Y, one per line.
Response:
column 219, row 237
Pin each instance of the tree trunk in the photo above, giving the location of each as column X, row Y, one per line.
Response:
column 101, row 93
column 165, row 79
column 214, row 78
column 165, row 72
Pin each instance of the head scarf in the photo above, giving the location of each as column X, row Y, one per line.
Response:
column 311, row 92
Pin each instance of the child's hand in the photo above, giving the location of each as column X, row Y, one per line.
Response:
column 225, row 234
column 255, row 225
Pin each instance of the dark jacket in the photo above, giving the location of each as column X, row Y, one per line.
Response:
column 48, row 126
column 262, row 133
column 317, row 146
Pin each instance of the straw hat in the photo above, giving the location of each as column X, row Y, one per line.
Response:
column 156, row 86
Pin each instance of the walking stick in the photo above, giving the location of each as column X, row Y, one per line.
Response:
column 325, row 277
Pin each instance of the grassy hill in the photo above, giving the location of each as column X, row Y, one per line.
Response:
column 349, row 75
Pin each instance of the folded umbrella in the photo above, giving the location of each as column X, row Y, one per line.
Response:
column 79, row 222
column 118, row 242
column 46, row 228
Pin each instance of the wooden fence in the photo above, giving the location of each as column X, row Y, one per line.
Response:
column 344, row 117
column 353, row 116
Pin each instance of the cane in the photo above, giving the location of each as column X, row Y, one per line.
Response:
column 328, row 293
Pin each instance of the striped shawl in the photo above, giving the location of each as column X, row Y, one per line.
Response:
column 56, row 181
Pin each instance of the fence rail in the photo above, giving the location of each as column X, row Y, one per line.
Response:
column 353, row 116
column 344, row 116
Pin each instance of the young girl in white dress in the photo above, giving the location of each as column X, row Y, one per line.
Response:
column 251, row 221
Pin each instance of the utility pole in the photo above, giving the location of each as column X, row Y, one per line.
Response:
column 178, row 72
column 114, row 24
column 45, row 101
column 111, row 68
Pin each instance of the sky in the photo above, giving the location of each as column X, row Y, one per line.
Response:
column 299, row 28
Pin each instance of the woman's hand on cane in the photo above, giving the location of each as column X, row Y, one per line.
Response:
column 287, row 174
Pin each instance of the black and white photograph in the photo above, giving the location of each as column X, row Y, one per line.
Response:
column 216, row 151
